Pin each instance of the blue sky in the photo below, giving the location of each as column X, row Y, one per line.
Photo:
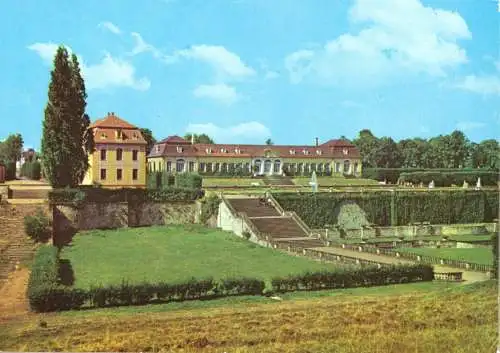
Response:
column 246, row 70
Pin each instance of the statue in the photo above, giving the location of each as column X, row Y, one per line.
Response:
column 431, row 184
column 466, row 185
column 478, row 184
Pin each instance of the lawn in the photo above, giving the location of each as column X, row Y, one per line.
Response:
column 460, row 319
column 207, row 182
column 335, row 181
column 172, row 254
column 483, row 256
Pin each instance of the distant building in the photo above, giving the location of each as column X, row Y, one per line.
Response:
column 119, row 159
column 176, row 155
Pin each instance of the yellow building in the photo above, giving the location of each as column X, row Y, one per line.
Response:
column 119, row 158
column 334, row 157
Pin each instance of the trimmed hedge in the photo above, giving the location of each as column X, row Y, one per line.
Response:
column 385, row 208
column 363, row 277
column 188, row 180
column 488, row 178
column 37, row 226
column 209, row 207
column 159, row 180
column 92, row 194
column 31, row 170
column 392, row 175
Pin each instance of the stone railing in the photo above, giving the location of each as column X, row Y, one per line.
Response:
column 275, row 203
column 448, row 276
column 471, row 266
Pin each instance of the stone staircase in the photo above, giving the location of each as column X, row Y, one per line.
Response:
column 268, row 221
column 278, row 180
column 15, row 246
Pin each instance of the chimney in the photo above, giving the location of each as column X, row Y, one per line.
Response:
column 317, row 141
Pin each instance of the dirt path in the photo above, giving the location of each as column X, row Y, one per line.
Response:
column 468, row 276
column 13, row 300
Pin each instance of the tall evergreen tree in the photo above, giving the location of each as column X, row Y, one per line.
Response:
column 66, row 139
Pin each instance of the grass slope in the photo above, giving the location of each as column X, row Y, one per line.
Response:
column 173, row 254
column 395, row 319
column 483, row 256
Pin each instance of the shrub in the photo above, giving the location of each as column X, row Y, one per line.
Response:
column 241, row 286
column 10, row 171
column 188, row 180
column 159, row 180
column 92, row 194
column 209, row 207
column 246, row 234
column 31, row 170
column 37, row 226
column 350, row 278
column 448, row 178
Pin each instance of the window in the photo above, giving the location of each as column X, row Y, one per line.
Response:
column 135, row 153
column 305, row 152
column 337, row 167
column 313, row 167
column 157, row 149
column 179, row 149
column 179, row 166
column 169, row 166
column 103, row 174
column 201, row 167
column 267, row 166
column 347, row 166
column 247, row 167
column 103, row 155
column 318, row 152
column 118, row 174
column 292, row 151
column 320, row 167
column 277, row 165
column 191, row 167
column 345, row 151
column 224, row 168
column 217, row 167
column 208, row 150
column 119, row 154
column 209, row 167
column 237, row 150
column 135, row 173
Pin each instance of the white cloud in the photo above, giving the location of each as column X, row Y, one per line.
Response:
column 109, row 73
column 227, row 134
column 113, row 72
column 486, row 85
column 226, row 64
column 469, row 125
column 398, row 36
column 110, row 27
column 219, row 92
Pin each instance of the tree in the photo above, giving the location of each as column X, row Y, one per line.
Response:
column 66, row 138
column 201, row 138
column 148, row 136
column 269, row 142
column 485, row 154
column 367, row 144
column 11, row 148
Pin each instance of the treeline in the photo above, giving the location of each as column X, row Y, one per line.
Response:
column 444, row 151
column 10, row 152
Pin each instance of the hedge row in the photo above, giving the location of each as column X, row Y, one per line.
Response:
column 385, row 208
column 10, row 170
column 392, row 175
column 31, row 170
column 488, row 178
column 93, row 194
column 363, row 277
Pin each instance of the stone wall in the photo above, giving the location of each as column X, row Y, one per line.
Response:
column 4, row 192
column 68, row 219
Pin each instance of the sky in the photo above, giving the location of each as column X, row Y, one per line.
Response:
column 243, row 71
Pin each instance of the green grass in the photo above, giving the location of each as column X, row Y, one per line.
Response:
column 172, row 254
column 334, row 181
column 207, row 182
column 481, row 256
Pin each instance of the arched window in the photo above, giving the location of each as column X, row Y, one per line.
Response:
column 257, row 165
column 267, row 166
column 277, row 166
column 347, row 166
column 224, row 168
column 179, row 166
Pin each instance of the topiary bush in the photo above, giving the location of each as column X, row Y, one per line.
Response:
column 37, row 226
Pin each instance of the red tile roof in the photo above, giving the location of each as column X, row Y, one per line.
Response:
column 112, row 121
column 175, row 146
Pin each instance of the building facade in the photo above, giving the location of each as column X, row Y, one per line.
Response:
column 176, row 155
column 119, row 158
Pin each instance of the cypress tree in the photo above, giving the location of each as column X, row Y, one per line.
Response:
column 66, row 139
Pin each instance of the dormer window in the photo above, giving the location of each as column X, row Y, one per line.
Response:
column 118, row 134
column 318, row 152
column 179, row 149
column 157, row 149
column 135, row 136
column 223, row 150
column 208, row 150
column 103, row 135
column 237, row 150
column 345, row 151
column 306, row 152
column 292, row 151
